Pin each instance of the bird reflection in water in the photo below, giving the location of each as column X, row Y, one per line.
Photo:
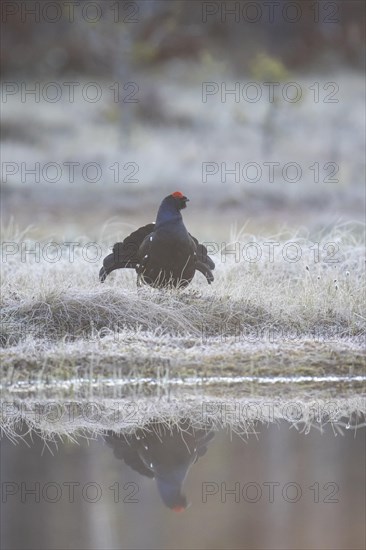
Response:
column 163, row 452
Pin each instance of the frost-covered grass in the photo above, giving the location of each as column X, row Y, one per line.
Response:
column 77, row 418
column 272, row 329
column 270, row 300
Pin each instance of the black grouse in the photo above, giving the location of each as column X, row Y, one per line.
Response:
column 164, row 453
column 163, row 253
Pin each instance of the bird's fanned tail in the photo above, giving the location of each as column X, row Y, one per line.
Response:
column 125, row 254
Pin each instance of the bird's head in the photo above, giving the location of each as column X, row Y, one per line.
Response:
column 169, row 210
column 178, row 199
column 180, row 505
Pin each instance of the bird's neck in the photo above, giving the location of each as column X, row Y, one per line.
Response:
column 167, row 214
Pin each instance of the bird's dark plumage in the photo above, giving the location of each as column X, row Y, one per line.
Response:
column 162, row 253
column 164, row 453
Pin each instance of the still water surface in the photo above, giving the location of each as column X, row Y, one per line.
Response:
column 185, row 487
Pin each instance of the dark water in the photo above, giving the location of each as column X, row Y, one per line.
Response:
column 276, row 488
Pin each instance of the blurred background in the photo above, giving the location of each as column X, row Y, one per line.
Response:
column 121, row 103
